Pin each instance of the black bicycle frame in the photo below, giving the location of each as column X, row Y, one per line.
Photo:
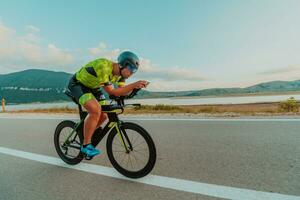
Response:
column 99, row 133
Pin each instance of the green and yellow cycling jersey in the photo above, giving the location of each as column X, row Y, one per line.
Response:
column 98, row 73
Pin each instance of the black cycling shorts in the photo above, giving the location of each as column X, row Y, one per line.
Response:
column 82, row 93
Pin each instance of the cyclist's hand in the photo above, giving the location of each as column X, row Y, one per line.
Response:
column 140, row 84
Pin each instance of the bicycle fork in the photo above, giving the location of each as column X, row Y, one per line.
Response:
column 121, row 133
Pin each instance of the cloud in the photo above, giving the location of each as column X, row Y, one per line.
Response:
column 29, row 50
column 291, row 72
column 148, row 70
column 288, row 69
column 98, row 50
column 31, row 28
column 171, row 78
column 58, row 55
column 164, row 85
column 102, row 51
column 6, row 33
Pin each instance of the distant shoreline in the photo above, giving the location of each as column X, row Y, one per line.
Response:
column 185, row 97
column 241, row 95
column 233, row 110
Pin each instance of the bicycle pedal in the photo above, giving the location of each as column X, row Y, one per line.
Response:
column 88, row 157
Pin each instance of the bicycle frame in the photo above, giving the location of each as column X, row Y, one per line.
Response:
column 98, row 135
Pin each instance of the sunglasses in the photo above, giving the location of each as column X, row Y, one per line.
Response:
column 133, row 69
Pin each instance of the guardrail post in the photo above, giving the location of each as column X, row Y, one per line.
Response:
column 3, row 105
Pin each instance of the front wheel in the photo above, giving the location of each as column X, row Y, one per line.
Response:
column 139, row 158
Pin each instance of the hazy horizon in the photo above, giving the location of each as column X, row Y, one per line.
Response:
column 159, row 90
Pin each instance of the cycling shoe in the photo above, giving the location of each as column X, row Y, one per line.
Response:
column 90, row 150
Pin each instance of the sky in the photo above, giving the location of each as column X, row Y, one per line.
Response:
column 183, row 44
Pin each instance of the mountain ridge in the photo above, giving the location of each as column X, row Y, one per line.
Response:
column 36, row 85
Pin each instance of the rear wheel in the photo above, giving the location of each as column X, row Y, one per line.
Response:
column 68, row 148
column 139, row 160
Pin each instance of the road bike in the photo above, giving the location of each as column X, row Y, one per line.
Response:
column 129, row 146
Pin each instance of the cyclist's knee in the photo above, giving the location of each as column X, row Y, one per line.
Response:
column 93, row 109
column 95, row 114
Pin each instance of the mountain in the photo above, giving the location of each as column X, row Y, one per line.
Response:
column 47, row 86
column 34, row 78
column 34, row 86
column 269, row 87
column 274, row 86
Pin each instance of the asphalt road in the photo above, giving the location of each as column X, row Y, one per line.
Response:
column 256, row 155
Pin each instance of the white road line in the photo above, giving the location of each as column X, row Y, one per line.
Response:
column 160, row 181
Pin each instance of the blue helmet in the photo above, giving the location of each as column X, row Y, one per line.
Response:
column 130, row 60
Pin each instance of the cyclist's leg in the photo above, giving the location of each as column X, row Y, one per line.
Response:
column 102, row 118
column 86, row 99
column 92, row 119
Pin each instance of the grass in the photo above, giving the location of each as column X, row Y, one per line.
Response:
column 213, row 109
column 245, row 109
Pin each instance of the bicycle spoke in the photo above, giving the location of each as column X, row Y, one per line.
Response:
column 141, row 154
column 141, row 150
column 136, row 160
column 66, row 151
column 139, row 144
column 123, row 160
column 118, row 155
column 119, row 145
column 74, row 147
column 130, row 161
column 135, row 139
column 69, row 148
column 77, row 142
column 74, row 139
column 119, row 151
column 127, row 160
column 131, row 139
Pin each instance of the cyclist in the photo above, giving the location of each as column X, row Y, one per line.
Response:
column 86, row 83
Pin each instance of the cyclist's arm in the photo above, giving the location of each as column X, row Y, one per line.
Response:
column 120, row 91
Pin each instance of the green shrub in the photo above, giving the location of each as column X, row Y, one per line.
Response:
column 158, row 107
column 165, row 107
column 290, row 105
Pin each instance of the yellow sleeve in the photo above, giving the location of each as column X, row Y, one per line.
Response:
column 121, row 82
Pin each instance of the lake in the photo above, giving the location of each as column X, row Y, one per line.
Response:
column 172, row 101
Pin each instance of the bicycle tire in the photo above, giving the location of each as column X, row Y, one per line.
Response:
column 151, row 146
column 66, row 159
